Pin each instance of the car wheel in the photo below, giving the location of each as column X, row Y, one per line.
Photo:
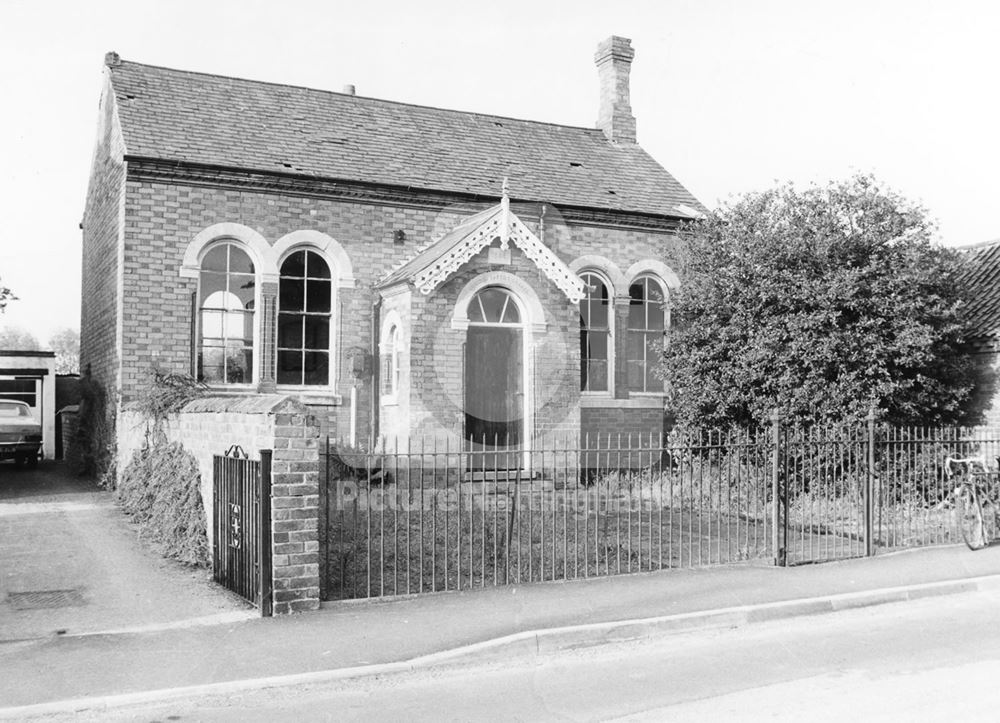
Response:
column 32, row 460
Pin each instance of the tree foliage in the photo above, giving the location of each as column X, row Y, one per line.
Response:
column 66, row 344
column 822, row 303
column 14, row 338
column 6, row 295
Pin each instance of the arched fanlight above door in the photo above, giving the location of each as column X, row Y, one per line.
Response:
column 494, row 305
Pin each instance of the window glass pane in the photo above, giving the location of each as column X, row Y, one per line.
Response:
column 493, row 301
column 247, row 336
column 294, row 265
column 656, row 318
column 636, row 306
column 242, row 286
column 317, row 367
column 598, row 345
column 475, row 311
column 289, row 367
column 585, row 314
column 211, row 324
column 636, row 375
column 317, row 332
column 239, row 261
column 653, row 383
column 216, row 258
column 210, row 285
column 597, row 376
column 239, row 363
column 290, row 331
column 316, row 267
column 599, row 314
column 387, row 375
column 635, row 343
column 211, row 360
column 317, row 296
column 511, row 315
column 290, row 295
column 656, row 300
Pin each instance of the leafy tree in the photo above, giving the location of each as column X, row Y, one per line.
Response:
column 66, row 344
column 5, row 295
column 14, row 338
column 822, row 303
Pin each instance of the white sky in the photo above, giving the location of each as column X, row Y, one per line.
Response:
column 729, row 95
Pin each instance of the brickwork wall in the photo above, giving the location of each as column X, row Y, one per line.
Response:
column 102, row 229
column 209, row 426
column 162, row 219
column 598, row 425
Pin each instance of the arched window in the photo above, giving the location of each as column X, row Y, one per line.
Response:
column 390, row 362
column 647, row 323
column 305, row 296
column 226, row 293
column 595, row 334
column 493, row 305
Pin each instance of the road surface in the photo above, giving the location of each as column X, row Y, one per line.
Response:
column 933, row 659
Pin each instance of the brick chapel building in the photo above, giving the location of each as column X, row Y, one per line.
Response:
column 369, row 258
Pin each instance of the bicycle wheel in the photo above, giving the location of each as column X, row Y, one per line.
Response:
column 989, row 520
column 970, row 517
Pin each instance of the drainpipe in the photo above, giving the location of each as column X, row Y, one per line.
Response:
column 376, row 324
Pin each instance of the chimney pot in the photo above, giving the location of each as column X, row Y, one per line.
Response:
column 112, row 59
column 614, row 62
column 349, row 89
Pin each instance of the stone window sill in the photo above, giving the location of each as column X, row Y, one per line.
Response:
column 644, row 401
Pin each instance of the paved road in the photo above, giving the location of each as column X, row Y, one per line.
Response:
column 71, row 563
column 933, row 659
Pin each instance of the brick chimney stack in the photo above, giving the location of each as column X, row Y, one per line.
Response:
column 614, row 61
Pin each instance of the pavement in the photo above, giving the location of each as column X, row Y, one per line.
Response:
column 93, row 669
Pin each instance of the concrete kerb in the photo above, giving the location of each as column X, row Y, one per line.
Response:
column 530, row 644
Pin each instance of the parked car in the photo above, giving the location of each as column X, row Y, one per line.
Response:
column 20, row 433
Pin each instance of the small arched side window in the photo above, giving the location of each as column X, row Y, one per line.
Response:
column 647, row 324
column 390, row 362
column 226, row 301
column 305, row 300
column 595, row 334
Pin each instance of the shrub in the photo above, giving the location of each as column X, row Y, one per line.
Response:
column 160, row 490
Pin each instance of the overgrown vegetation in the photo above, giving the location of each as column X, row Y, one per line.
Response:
column 168, row 393
column 160, row 489
column 93, row 448
column 823, row 303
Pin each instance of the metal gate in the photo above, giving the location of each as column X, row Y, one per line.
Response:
column 241, row 555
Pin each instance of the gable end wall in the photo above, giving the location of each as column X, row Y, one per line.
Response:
column 103, row 227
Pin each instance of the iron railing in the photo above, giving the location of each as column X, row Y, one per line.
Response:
column 440, row 518
column 418, row 517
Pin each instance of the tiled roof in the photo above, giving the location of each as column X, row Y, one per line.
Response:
column 207, row 119
column 983, row 279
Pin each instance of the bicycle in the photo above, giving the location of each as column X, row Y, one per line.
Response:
column 977, row 511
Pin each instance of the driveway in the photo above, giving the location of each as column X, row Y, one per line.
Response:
column 71, row 563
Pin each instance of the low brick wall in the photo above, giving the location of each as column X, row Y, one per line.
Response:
column 210, row 426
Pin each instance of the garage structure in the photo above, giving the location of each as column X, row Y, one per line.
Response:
column 29, row 377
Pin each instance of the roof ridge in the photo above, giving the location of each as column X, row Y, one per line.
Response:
column 977, row 245
column 367, row 98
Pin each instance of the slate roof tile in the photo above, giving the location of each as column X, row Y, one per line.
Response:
column 983, row 280
column 214, row 120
